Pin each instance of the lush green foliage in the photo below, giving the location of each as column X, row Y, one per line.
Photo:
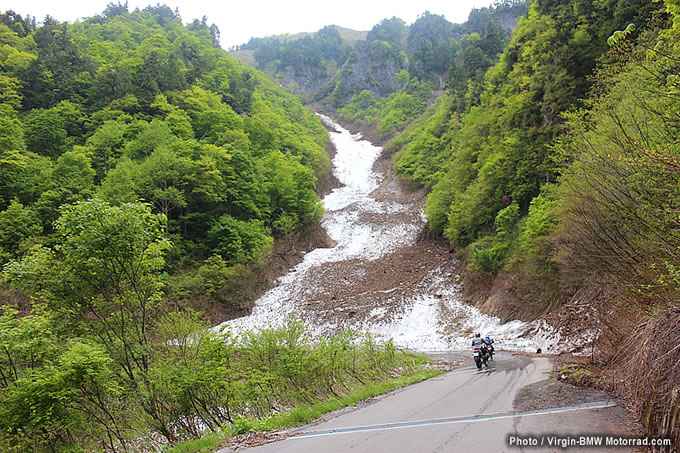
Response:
column 412, row 63
column 392, row 30
column 95, row 117
column 137, row 106
column 626, row 173
column 102, row 357
column 305, row 413
column 484, row 149
column 314, row 51
column 619, row 231
column 390, row 114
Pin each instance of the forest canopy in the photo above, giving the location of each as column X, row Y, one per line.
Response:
column 129, row 106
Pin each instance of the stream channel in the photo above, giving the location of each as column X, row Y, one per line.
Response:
column 380, row 277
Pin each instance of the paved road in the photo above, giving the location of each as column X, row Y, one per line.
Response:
column 465, row 410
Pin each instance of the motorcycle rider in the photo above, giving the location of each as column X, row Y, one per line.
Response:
column 489, row 345
column 478, row 343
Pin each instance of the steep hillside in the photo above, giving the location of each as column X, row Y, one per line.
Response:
column 304, row 62
column 555, row 180
column 491, row 161
column 137, row 106
column 146, row 174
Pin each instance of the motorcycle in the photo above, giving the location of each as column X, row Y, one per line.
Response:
column 490, row 349
column 488, row 341
column 481, row 357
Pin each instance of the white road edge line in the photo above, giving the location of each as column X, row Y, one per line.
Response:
column 450, row 421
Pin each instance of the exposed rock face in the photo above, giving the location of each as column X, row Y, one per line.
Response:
column 372, row 66
column 304, row 80
column 508, row 21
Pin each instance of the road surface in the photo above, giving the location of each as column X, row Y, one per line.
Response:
column 467, row 410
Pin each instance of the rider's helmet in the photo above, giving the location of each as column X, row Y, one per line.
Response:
column 478, row 334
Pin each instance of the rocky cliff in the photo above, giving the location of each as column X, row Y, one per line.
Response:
column 371, row 66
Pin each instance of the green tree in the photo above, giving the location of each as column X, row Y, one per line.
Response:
column 238, row 241
column 58, row 72
column 10, row 88
column 70, row 180
column 45, row 132
column 52, row 393
column 17, row 224
column 106, row 146
column 102, row 279
column 11, row 131
column 290, row 187
column 163, row 179
column 148, row 138
column 120, row 184
column 390, row 30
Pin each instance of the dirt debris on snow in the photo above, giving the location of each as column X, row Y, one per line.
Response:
column 359, row 289
column 356, row 288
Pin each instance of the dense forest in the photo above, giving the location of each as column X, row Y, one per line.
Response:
column 499, row 167
column 444, row 55
column 126, row 107
column 436, row 54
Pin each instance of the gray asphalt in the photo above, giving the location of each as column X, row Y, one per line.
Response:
column 465, row 410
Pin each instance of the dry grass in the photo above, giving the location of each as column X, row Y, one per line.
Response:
column 646, row 371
